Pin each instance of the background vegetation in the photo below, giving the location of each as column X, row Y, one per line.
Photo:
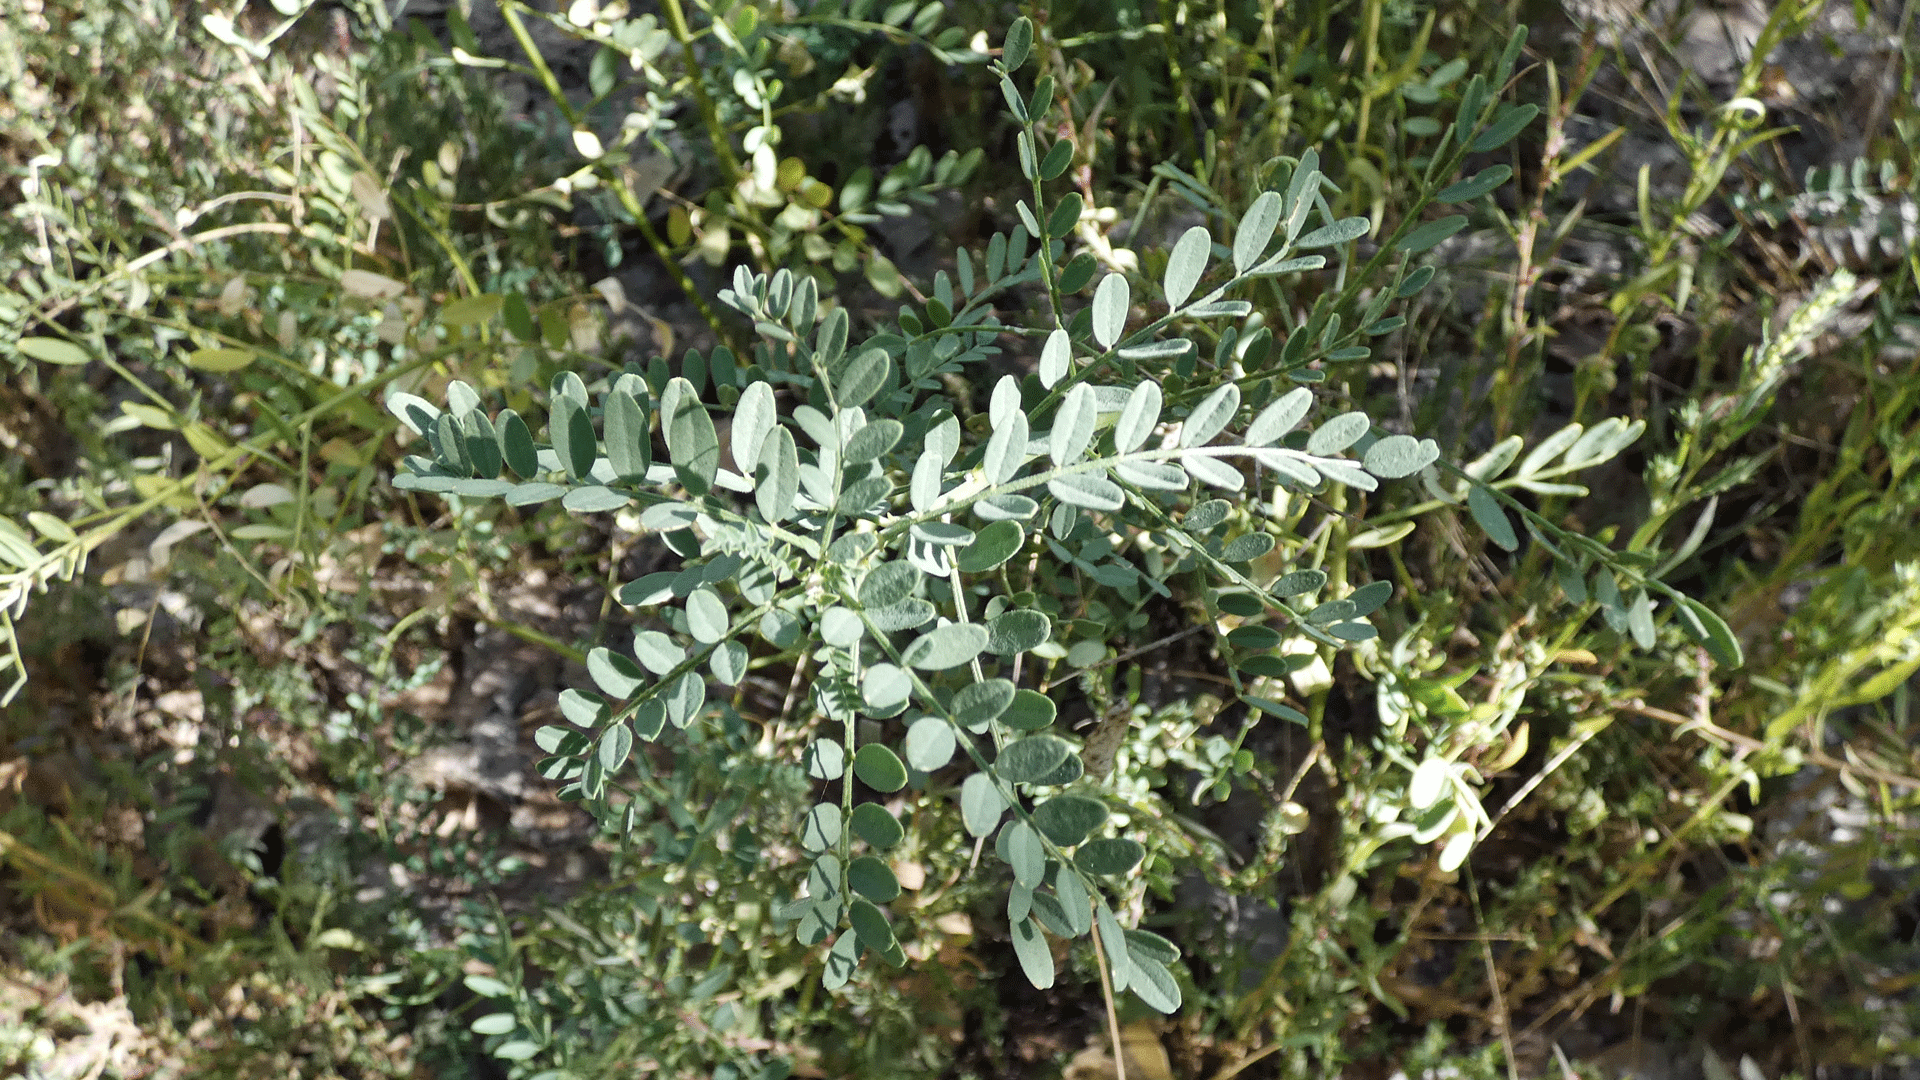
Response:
column 270, row 792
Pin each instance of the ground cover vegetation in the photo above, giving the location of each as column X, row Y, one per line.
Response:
column 856, row 538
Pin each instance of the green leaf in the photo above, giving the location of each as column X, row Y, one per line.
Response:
column 1023, row 851
column 1187, row 264
column 776, row 478
column 981, row 703
column 1298, row 583
column 1114, row 941
column 872, row 823
column 1368, row 598
column 1711, row 631
column 691, row 437
column 862, row 378
column 1511, row 123
column 980, row 804
column 1640, row 619
column 1029, row 710
column 706, row 616
column 874, row 440
column 1468, row 190
column 1012, row 632
column 879, row 768
column 946, row 647
column 1073, row 425
column 1110, row 302
column 1109, row 857
column 1138, row 419
column 1019, row 39
column 754, row 416
column 218, row 361
column 583, row 709
column 888, row 584
column 1066, row 214
column 872, row 879
column 820, row 830
column 592, row 499
column 657, row 652
column 516, row 444
column 1337, row 434
column 1152, row 474
column 1067, row 819
column 1035, row 955
column 1256, row 230
column 1430, row 234
column 487, row 987
column 629, row 443
column 729, row 663
column 1059, row 156
column 1398, row 456
column 1340, row 232
column 870, row 924
column 1028, row 759
column 1211, row 416
column 571, row 432
column 1213, row 471
column 1056, row 359
column 494, row 1024
column 1247, row 548
column 614, row 674
column 944, row 534
column 1486, row 510
column 615, row 745
column 66, row 353
column 1146, row 943
column 1154, row 985
column 994, row 545
column 1089, row 490
column 1280, row 417
column 930, row 744
column 1006, row 449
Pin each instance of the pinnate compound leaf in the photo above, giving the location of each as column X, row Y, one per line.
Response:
column 1256, row 231
column 1067, row 819
column 1028, row 759
column 1138, row 419
column 879, row 768
column 1280, row 417
column 1035, row 955
column 1187, row 264
column 1486, row 510
column 1111, row 298
column 930, row 744
column 1109, row 857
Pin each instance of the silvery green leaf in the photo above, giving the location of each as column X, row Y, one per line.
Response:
column 1495, row 461
column 1186, row 264
column 1213, row 471
column 1340, row 232
column 1006, row 450
column 1604, row 440
column 629, row 441
column 1089, row 490
column 1004, row 402
column 777, row 476
column 930, row 744
column 1345, row 472
column 928, row 472
column 691, row 438
column 1549, row 448
column 1337, row 434
column 1171, row 348
column 1276, row 266
column 1035, row 955
column 981, row 804
column 1256, row 231
column 1481, row 183
column 1640, row 619
column 1212, row 415
column 592, row 499
column 1056, row 359
column 1110, row 302
column 1398, row 456
column 946, row 646
column 1154, row 475
column 1139, row 418
column 1072, row 425
column 1280, row 417
column 1236, row 308
column 753, row 418
column 1289, row 465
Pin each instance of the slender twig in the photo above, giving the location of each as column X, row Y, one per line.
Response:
column 1113, row 1015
